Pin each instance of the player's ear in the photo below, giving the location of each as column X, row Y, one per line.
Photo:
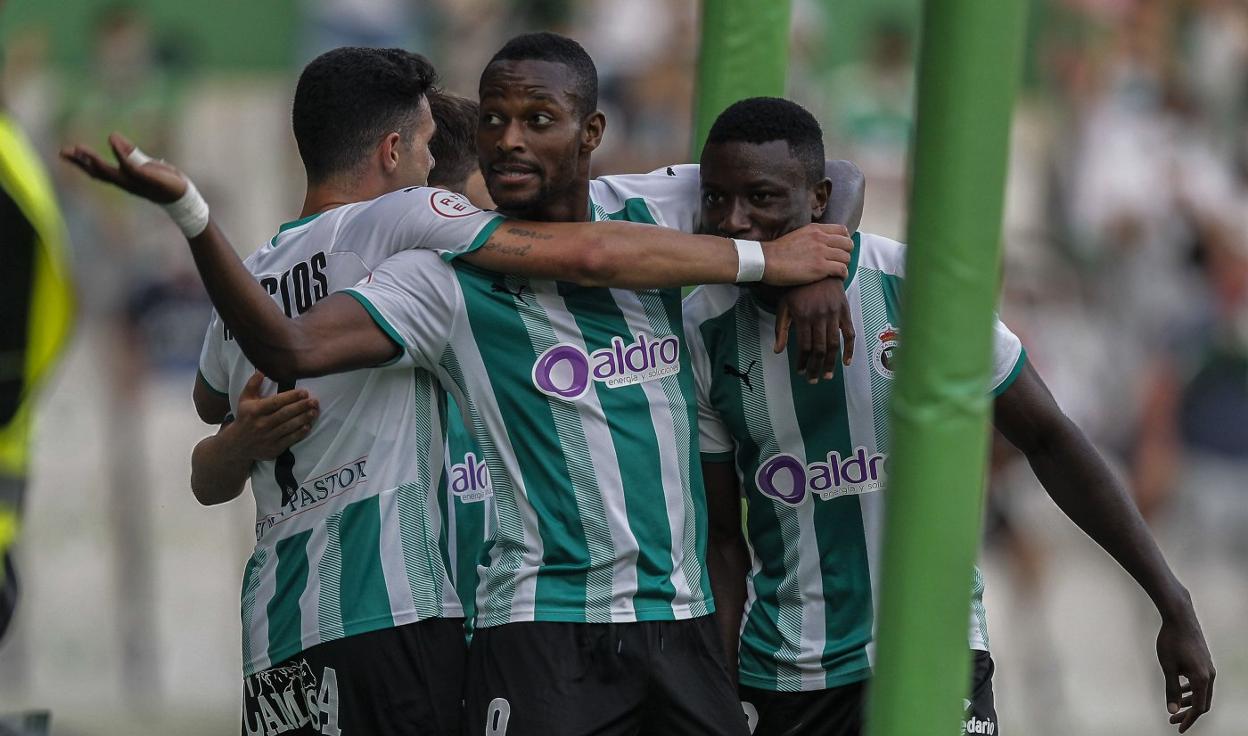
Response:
column 389, row 151
column 819, row 195
column 591, row 131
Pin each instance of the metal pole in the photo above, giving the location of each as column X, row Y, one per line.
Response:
column 968, row 72
column 744, row 52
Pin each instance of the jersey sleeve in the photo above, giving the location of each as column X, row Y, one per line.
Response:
column 212, row 368
column 413, row 298
column 1008, row 357
column 714, row 437
column 418, row 218
column 668, row 200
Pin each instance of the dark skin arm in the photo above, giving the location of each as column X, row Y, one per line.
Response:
column 817, row 315
column 338, row 335
column 727, row 557
column 265, row 427
column 1087, row 491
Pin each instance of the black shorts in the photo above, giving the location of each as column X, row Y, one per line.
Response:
column 405, row 680
column 567, row 679
column 839, row 711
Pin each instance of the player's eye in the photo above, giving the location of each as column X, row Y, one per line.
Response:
column 543, row 119
column 712, row 199
column 761, row 197
column 491, row 119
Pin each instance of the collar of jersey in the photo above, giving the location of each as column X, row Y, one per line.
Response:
column 296, row 223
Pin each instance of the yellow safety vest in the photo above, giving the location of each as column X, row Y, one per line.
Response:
column 50, row 311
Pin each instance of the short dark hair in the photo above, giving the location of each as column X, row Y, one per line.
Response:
column 766, row 119
column 454, row 142
column 553, row 47
column 348, row 98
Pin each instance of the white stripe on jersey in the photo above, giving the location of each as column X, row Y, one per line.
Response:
column 663, row 422
column 310, row 598
column 778, row 380
column 603, row 460
column 470, row 362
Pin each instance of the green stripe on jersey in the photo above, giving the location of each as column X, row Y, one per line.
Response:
column 364, row 599
column 598, row 513
column 285, row 618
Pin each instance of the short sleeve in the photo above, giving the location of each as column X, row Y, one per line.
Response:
column 212, row 360
column 714, row 437
column 414, row 298
column 670, row 201
column 1008, row 357
column 416, row 218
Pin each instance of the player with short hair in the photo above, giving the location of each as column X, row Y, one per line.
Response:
column 799, row 590
column 347, row 531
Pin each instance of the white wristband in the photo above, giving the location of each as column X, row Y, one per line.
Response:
column 750, row 260
column 190, row 211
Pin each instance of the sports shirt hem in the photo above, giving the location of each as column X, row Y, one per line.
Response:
column 211, row 388
column 385, row 326
column 366, row 626
column 1013, row 376
column 579, row 616
column 768, row 683
column 482, row 235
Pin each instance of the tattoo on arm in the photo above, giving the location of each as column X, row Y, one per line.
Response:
column 516, row 245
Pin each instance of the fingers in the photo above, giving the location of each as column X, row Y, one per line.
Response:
column 301, row 411
column 840, row 230
column 815, row 361
column 784, row 320
column 251, row 390
column 848, row 336
column 90, row 163
column 832, row 330
column 293, row 417
column 275, row 404
column 122, row 149
column 1173, row 691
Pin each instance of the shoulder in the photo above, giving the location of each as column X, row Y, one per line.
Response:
column 621, row 196
column 879, row 253
column 431, row 202
column 705, row 303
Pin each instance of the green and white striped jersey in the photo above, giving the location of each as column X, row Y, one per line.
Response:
column 469, row 504
column 812, row 460
column 347, row 529
column 582, row 402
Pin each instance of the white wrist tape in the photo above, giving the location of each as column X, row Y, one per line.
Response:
column 190, row 211
column 750, row 260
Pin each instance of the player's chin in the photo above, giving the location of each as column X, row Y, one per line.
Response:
column 515, row 196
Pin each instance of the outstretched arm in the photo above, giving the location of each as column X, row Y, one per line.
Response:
column 632, row 256
column 1082, row 485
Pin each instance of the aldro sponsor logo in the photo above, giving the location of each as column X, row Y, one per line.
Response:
column 315, row 491
column 784, row 477
column 470, row 480
column 566, row 372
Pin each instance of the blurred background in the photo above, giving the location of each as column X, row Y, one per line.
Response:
column 1126, row 276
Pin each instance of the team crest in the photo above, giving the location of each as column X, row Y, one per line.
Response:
column 885, row 353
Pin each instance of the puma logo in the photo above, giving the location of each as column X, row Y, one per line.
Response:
column 671, row 171
column 498, row 288
column 735, row 372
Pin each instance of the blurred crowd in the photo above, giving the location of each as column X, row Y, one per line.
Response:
column 1126, row 234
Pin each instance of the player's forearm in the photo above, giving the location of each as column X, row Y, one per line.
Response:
column 218, row 469
column 617, row 254
column 1087, row 491
column 269, row 339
